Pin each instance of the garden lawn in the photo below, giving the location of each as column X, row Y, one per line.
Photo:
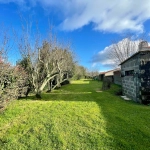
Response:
column 76, row 117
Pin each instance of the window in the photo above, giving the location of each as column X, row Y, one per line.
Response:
column 129, row 73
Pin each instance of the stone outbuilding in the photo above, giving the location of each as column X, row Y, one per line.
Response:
column 117, row 77
column 135, row 73
column 101, row 76
column 113, row 76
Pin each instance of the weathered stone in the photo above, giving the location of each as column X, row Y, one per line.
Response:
column 132, row 83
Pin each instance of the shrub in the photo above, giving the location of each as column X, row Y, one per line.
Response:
column 13, row 83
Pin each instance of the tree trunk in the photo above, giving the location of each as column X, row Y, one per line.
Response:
column 45, row 82
column 49, row 86
column 38, row 95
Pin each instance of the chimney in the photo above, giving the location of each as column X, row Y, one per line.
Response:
column 143, row 45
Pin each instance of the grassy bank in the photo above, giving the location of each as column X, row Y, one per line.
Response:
column 76, row 117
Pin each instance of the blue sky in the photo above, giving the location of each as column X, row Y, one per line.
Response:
column 90, row 25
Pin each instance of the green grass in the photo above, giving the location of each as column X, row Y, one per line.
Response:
column 76, row 117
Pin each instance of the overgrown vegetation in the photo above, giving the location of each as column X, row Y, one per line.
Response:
column 43, row 63
column 76, row 117
column 13, row 79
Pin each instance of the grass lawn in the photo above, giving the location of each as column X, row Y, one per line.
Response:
column 76, row 117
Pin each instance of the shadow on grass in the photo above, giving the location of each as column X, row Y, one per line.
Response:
column 126, row 123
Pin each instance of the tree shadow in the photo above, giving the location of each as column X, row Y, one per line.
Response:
column 123, row 131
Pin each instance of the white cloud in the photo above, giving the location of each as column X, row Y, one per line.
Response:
column 103, row 57
column 94, row 64
column 108, row 15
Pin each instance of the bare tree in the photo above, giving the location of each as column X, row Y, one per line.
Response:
column 79, row 72
column 57, row 64
column 45, row 61
column 122, row 50
column 92, row 74
column 4, row 65
column 64, row 63
column 10, row 75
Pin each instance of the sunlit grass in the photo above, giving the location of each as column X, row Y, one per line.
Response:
column 71, row 93
column 75, row 117
column 83, row 81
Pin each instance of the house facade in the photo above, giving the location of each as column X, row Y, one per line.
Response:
column 135, row 73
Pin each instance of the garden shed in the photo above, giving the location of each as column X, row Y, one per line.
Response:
column 135, row 73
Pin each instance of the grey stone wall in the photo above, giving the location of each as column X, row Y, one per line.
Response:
column 110, row 78
column 117, row 78
column 130, row 84
column 101, row 77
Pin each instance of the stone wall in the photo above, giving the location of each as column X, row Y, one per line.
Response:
column 135, row 72
column 110, row 78
column 117, row 77
column 101, row 77
column 130, row 83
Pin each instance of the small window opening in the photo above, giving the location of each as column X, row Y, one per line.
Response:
column 129, row 73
